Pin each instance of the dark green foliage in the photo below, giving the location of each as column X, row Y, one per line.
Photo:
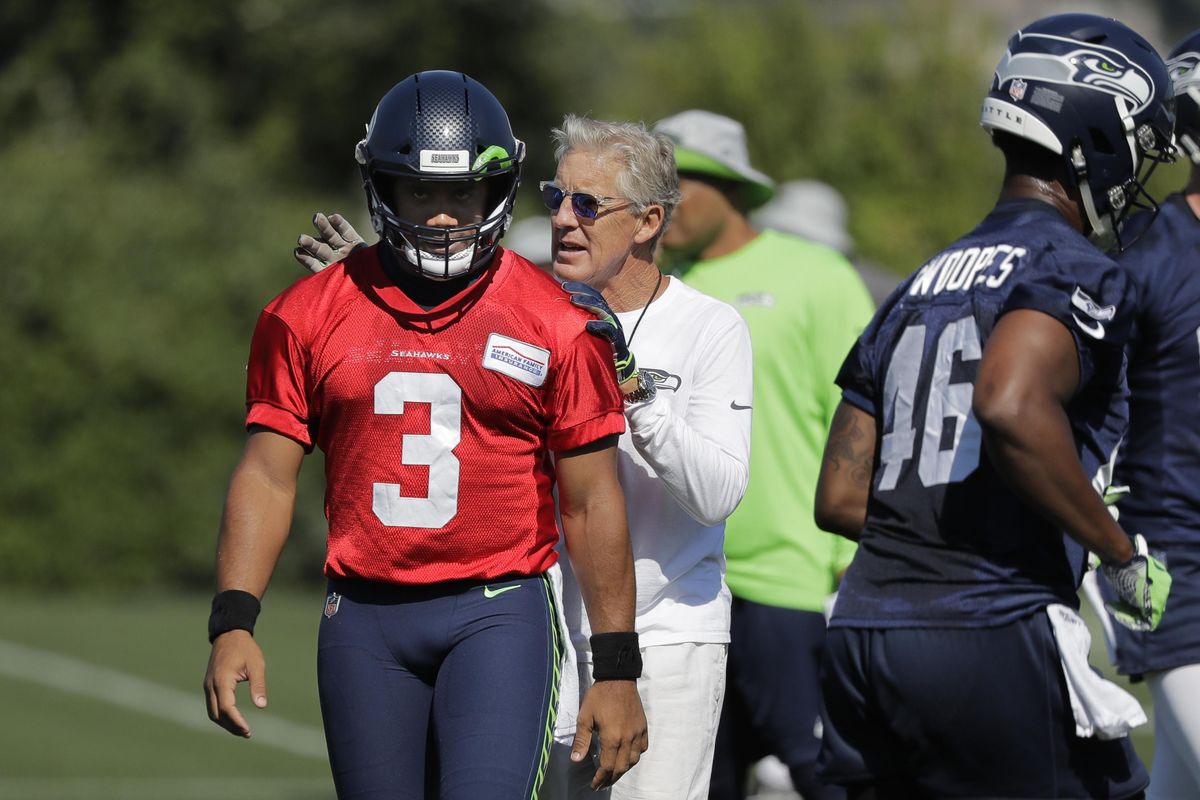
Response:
column 129, row 302
column 158, row 160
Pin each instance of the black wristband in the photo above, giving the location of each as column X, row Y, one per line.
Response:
column 616, row 656
column 232, row 610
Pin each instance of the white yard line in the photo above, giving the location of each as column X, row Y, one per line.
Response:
column 159, row 788
column 67, row 674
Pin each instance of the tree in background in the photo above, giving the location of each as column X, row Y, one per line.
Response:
column 159, row 160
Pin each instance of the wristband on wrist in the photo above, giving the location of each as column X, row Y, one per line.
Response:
column 232, row 610
column 616, row 656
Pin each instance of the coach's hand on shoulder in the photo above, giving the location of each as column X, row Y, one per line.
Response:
column 236, row 657
column 336, row 239
column 1142, row 584
column 606, row 326
column 614, row 710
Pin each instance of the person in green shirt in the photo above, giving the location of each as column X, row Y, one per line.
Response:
column 805, row 305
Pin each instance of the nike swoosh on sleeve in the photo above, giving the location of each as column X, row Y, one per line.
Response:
column 1095, row 330
column 738, row 407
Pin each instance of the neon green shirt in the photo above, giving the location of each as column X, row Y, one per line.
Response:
column 805, row 305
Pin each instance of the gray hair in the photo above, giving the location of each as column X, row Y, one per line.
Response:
column 647, row 176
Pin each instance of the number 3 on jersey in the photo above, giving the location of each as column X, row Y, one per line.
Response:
column 434, row 449
column 946, row 401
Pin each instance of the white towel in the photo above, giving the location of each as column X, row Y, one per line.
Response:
column 1091, row 590
column 568, row 688
column 1101, row 708
column 827, row 606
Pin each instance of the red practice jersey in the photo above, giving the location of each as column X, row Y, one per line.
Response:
column 436, row 425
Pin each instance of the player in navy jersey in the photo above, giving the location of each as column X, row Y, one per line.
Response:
column 1160, row 461
column 450, row 383
column 976, row 408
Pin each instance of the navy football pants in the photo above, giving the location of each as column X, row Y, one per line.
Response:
column 772, row 699
column 451, row 687
column 972, row 712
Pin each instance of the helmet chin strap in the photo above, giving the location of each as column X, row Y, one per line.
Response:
column 1103, row 234
column 1101, row 226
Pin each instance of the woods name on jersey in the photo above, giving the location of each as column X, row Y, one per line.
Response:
column 959, row 270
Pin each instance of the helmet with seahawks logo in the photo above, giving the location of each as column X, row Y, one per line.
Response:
column 1095, row 93
column 441, row 126
column 1183, row 64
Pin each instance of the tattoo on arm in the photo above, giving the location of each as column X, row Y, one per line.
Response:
column 850, row 448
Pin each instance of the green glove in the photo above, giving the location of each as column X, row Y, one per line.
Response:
column 1142, row 584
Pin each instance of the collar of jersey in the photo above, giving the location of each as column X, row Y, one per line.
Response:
column 390, row 295
column 1029, row 208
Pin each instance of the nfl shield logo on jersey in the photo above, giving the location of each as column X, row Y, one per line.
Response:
column 331, row 604
column 1017, row 88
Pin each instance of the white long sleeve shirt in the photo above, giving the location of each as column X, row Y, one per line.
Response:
column 684, row 464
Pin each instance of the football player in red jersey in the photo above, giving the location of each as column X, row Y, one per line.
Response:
column 450, row 384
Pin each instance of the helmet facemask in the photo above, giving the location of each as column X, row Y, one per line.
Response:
column 442, row 253
column 1107, row 210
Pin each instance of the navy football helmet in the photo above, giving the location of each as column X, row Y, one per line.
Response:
column 440, row 126
column 1184, row 67
column 1094, row 92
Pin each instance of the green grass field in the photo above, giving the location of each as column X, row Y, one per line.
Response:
column 122, row 715
column 102, row 701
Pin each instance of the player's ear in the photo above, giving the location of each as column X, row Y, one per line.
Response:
column 650, row 224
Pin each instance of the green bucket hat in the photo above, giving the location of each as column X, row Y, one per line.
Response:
column 710, row 144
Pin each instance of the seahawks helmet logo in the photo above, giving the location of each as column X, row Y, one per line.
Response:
column 1076, row 64
column 1185, row 72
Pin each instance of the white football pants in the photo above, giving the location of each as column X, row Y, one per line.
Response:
column 682, row 687
column 1176, row 771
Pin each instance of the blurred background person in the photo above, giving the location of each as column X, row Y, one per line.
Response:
column 804, row 304
column 530, row 237
column 816, row 211
column 810, row 209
